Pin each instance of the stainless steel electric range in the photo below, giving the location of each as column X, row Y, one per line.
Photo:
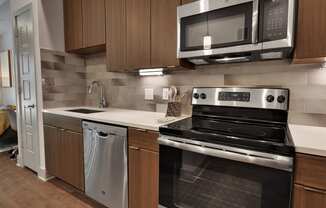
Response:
column 234, row 152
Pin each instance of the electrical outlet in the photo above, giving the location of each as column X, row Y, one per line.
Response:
column 165, row 93
column 149, row 94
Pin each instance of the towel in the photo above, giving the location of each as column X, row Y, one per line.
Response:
column 4, row 122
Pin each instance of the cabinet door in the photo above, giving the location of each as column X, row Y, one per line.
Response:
column 51, row 143
column 143, row 178
column 93, row 23
column 308, row 198
column 71, row 162
column 138, row 33
column 311, row 42
column 116, row 34
column 164, row 33
column 73, row 24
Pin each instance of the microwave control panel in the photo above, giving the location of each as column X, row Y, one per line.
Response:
column 274, row 14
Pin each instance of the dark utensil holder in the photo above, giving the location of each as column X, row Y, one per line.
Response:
column 174, row 109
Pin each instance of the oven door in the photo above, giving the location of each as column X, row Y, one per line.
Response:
column 210, row 27
column 197, row 176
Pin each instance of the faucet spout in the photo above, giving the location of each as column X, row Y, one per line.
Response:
column 102, row 99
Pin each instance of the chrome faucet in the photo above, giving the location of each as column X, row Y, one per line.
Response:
column 98, row 84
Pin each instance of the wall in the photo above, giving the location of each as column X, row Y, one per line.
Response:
column 63, row 79
column 307, row 84
column 7, row 95
column 51, row 25
column 6, row 41
column 127, row 90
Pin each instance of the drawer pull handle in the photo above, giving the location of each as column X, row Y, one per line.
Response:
column 314, row 190
column 134, row 148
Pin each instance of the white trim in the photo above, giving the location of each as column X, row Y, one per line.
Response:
column 42, row 174
column 33, row 6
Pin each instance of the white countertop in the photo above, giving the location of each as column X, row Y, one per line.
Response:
column 309, row 139
column 131, row 118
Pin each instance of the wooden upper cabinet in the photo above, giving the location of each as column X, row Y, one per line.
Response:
column 116, row 35
column 93, row 22
column 164, row 33
column 73, row 24
column 84, row 25
column 138, row 33
column 311, row 32
column 187, row 1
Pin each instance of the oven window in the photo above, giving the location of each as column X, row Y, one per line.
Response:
column 192, row 180
column 221, row 28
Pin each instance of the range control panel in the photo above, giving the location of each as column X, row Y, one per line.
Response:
column 266, row 98
column 234, row 96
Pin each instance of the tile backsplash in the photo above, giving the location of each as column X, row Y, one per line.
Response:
column 307, row 84
column 63, row 79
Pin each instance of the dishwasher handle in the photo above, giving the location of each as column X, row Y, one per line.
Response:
column 104, row 135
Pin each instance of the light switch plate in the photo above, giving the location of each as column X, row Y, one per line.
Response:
column 165, row 94
column 149, row 94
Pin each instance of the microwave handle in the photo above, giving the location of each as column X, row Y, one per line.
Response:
column 280, row 162
column 255, row 17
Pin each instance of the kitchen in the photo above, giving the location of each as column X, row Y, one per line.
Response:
column 246, row 115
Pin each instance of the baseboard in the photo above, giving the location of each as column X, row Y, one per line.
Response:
column 42, row 175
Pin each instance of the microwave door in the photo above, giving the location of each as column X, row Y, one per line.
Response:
column 221, row 26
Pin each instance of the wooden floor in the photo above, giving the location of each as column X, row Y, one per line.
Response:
column 20, row 188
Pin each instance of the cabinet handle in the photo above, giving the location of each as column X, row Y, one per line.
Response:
column 142, row 130
column 314, row 190
column 134, row 148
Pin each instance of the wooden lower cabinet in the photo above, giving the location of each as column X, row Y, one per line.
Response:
column 187, row 1
column 310, row 186
column 64, row 155
column 51, row 135
column 143, row 169
column 305, row 197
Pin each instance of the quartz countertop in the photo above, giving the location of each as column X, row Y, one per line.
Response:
column 309, row 139
column 130, row 118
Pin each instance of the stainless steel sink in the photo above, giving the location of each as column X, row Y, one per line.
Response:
column 84, row 111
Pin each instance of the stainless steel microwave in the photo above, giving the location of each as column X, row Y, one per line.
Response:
column 222, row 31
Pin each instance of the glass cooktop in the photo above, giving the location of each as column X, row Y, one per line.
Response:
column 259, row 136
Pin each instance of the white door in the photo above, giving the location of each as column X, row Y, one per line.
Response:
column 26, row 69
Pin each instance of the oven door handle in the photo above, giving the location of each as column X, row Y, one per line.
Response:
column 275, row 161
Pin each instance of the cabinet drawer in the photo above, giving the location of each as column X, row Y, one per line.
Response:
column 311, row 171
column 305, row 197
column 65, row 122
column 143, row 139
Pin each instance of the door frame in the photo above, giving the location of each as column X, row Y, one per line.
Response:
column 32, row 7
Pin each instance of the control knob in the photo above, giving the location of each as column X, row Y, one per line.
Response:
column 196, row 95
column 270, row 98
column 281, row 99
column 203, row 96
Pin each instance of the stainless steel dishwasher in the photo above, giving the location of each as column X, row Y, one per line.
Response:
column 105, row 164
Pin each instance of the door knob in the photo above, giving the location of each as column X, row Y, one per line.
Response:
column 30, row 106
